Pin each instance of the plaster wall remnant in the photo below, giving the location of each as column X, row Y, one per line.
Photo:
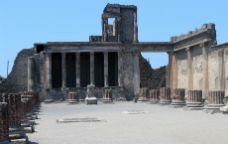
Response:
column 113, row 60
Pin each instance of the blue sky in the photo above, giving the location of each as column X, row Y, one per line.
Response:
column 24, row 22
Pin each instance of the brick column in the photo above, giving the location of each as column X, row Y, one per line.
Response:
column 77, row 70
column 63, row 59
column 106, row 69
column 30, row 72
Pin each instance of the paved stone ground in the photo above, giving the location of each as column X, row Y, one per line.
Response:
column 158, row 125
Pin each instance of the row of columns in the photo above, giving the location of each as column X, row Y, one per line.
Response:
column 172, row 76
column 48, row 69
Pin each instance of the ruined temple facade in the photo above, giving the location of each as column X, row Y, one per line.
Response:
column 111, row 60
column 198, row 63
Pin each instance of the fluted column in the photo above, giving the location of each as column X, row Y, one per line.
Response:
column 106, row 69
column 63, row 70
column 92, row 68
column 78, row 70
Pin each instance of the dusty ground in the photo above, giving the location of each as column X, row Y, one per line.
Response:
column 159, row 125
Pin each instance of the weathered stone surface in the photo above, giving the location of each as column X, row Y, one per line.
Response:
column 107, row 96
column 178, row 97
column 4, row 122
column 194, row 98
column 215, row 99
column 73, row 97
column 154, row 95
column 165, row 95
column 90, row 95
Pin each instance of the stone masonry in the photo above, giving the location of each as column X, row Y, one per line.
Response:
column 113, row 60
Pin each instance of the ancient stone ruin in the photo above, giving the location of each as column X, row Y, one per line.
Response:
column 110, row 67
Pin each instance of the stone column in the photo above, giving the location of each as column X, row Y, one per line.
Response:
column 154, row 96
column 215, row 98
column 120, row 78
column 48, row 70
column 205, row 70
column 136, row 73
column 189, row 63
column 30, row 74
column 178, row 97
column 63, row 58
column 106, row 69
column 169, row 70
column 164, row 96
column 174, row 71
column 92, row 68
column 77, row 70
column 194, row 98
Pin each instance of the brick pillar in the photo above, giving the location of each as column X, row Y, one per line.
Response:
column 154, row 96
column 165, row 95
column 106, row 69
column 194, row 98
column 178, row 97
column 63, row 59
column 4, row 122
column 78, row 70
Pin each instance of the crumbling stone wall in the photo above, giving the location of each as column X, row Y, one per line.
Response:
column 149, row 77
column 17, row 79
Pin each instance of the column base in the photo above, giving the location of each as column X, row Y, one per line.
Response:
column 154, row 101
column 178, row 103
column 224, row 109
column 91, row 100
column 213, row 108
column 194, row 104
column 164, row 102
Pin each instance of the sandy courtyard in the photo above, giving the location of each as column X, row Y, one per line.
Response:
column 158, row 125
